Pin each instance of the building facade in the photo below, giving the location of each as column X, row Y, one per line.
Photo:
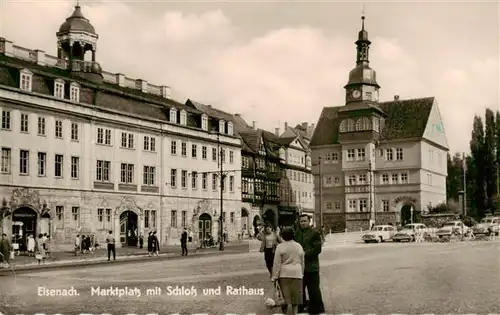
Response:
column 377, row 162
column 87, row 151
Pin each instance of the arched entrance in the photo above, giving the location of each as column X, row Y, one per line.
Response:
column 256, row 222
column 269, row 218
column 245, row 223
column 204, row 227
column 128, row 228
column 407, row 214
column 24, row 222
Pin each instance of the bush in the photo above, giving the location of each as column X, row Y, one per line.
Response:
column 469, row 221
column 439, row 208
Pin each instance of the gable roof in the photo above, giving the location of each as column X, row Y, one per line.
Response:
column 251, row 138
column 405, row 119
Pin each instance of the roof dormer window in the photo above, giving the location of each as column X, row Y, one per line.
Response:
column 25, row 79
column 222, row 125
column 204, row 122
column 343, row 126
column 59, row 88
column 173, row 115
column 183, row 118
column 74, row 92
column 230, row 128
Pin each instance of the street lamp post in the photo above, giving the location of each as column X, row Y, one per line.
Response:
column 221, row 223
column 320, row 193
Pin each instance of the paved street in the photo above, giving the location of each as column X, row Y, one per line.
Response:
column 363, row 278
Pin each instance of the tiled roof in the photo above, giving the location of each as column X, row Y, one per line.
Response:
column 239, row 123
column 404, row 119
column 251, row 139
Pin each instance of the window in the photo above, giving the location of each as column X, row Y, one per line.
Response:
column 74, row 132
column 173, row 178
column 223, row 155
column 6, row 161
column 100, row 217
column 362, row 179
column 58, row 165
column 194, row 180
column 6, row 119
column 385, row 179
column 149, row 176
column 183, row 117
column 336, row 205
column 329, row 206
column 351, row 155
column 74, row 93
column 363, row 205
column 42, row 163
column 24, row 162
column 361, row 154
column 214, row 182
column 173, row 147
column 353, row 204
column 399, row 154
column 351, row 125
column 173, row 115
column 59, row 88
column 429, row 179
column 214, row 154
column 389, row 155
column 100, row 136
column 183, row 149
column 335, row 156
column 204, row 152
column 343, row 126
column 149, row 144
column 230, row 128
column 204, row 181
column 204, row 122
column 24, row 123
column 108, row 217
column 25, row 80
column 231, row 157
column 127, row 173
column 223, row 183
column 328, row 180
column 352, row 180
column 146, row 219
column 184, row 179
column 127, row 140
column 366, row 124
column 395, row 178
column 103, row 136
column 336, row 180
column 184, row 219
column 231, row 217
column 385, row 205
column 153, row 219
column 222, row 125
column 59, row 217
column 107, row 137
column 231, row 183
column 194, row 151
column 59, row 129
column 359, row 124
column 75, row 213
column 368, row 95
column 103, row 170
column 404, row 178
column 173, row 218
column 41, row 126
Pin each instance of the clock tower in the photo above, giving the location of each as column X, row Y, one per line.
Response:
column 362, row 85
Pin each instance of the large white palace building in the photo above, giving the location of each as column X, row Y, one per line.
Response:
column 87, row 151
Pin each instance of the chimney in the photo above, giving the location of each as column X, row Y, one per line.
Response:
column 286, row 126
column 277, row 131
column 40, row 57
column 253, row 125
column 165, row 91
column 120, row 79
column 8, row 47
column 396, row 97
column 304, row 125
column 237, row 115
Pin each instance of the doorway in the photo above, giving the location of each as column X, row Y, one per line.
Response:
column 269, row 218
column 23, row 224
column 204, row 227
column 128, row 228
column 245, row 223
column 406, row 214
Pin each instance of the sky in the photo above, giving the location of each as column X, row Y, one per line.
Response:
column 283, row 61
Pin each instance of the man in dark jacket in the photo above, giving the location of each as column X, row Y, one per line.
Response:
column 310, row 239
column 184, row 238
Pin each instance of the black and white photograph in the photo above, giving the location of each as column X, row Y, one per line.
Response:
column 249, row 157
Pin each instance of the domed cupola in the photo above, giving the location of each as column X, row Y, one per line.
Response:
column 362, row 84
column 75, row 38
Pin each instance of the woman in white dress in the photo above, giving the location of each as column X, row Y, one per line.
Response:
column 31, row 245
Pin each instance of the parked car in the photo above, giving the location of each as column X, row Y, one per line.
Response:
column 407, row 234
column 379, row 233
column 487, row 226
column 448, row 228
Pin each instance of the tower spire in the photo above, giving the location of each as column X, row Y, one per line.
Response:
column 77, row 3
column 362, row 16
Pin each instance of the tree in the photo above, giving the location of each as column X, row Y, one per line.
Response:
column 454, row 179
column 497, row 121
column 478, row 161
column 490, row 158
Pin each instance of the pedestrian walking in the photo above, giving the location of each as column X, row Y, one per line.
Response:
column 141, row 241
column 184, row 238
column 269, row 241
column 310, row 239
column 110, row 240
column 78, row 244
column 156, row 245
column 40, row 250
column 31, row 245
column 5, row 249
column 48, row 246
column 150, row 243
column 288, row 270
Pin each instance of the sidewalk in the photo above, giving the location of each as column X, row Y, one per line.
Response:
column 125, row 254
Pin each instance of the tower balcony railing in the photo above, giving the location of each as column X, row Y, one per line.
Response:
column 85, row 66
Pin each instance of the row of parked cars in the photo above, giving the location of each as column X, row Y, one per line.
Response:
column 409, row 232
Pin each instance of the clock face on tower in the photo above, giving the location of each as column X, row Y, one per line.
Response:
column 356, row 93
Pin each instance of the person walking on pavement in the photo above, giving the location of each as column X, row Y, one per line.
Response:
column 110, row 240
column 269, row 241
column 310, row 239
column 141, row 241
column 184, row 238
column 78, row 244
column 5, row 249
column 156, row 245
column 40, row 250
column 150, row 243
column 31, row 245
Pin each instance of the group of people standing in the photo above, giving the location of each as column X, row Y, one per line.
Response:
column 153, row 244
column 40, row 248
column 292, row 258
